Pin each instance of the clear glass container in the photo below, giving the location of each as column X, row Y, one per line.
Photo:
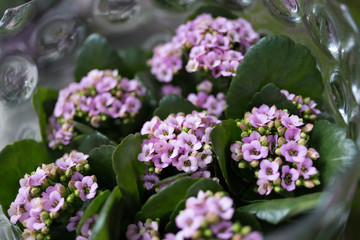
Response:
column 39, row 39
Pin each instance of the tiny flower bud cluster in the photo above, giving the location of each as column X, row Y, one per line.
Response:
column 203, row 99
column 307, row 107
column 99, row 96
column 274, row 144
column 52, row 190
column 217, row 45
column 179, row 141
column 143, row 231
column 209, row 216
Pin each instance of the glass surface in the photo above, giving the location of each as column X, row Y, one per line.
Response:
column 39, row 40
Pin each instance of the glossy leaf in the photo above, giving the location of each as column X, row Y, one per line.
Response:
column 337, row 153
column 278, row 210
column 15, row 160
column 43, row 102
column 134, row 60
column 271, row 95
column 203, row 184
column 109, row 222
column 173, row 104
column 100, row 160
column 277, row 60
column 161, row 204
column 93, row 208
column 129, row 171
column 222, row 136
column 92, row 141
column 96, row 53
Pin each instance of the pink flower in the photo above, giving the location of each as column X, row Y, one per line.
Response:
column 74, row 221
column 187, row 163
column 293, row 152
column 265, row 187
column 254, row 151
column 269, row 170
column 188, row 221
column 289, row 177
column 54, row 203
column 87, row 188
column 306, row 168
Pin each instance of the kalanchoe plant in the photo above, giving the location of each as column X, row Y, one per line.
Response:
column 85, row 231
column 49, row 196
column 180, row 141
column 216, row 45
column 274, row 145
column 100, row 96
column 206, row 216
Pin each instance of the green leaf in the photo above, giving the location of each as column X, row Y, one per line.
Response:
column 247, row 218
column 171, row 225
column 134, row 60
column 151, row 84
column 203, row 184
column 92, row 141
column 43, row 102
column 96, row 53
column 82, row 128
column 161, row 204
column 100, row 161
column 278, row 60
column 15, row 160
column 129, row 170
column 173, row 104
column 109, row 223
column 337, row 153
column 214, row 10
column 171, row 179
column 271, row 95
column 93, row 208
column 222, row 136
column 278, row 210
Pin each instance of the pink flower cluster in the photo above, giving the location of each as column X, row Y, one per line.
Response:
column 99, row 96
column 179, row 141
column 208, row 216
column 143, row 231
column 307, row 107
column 275, row 145
column 217, row 45
column 49, row 191
column 214, row 105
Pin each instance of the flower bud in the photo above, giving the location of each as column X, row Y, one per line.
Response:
column 237, row 236
column 277, row 189
column 70, row 198
column 242, row 164
column 313, row 117
column 296, row 99
column 71, row 185
column 158, row 170
column 95, row 121
column 263, row 140
column 278, row 160
column 307, row 111
column 48, row 221
column 298, row 106
column 281, row 131
column 277, row 151
column 254, row 163
column 207, row 233
column 244, row 134
column 236, row 227
column 87, row 167
column 281, row 141
column 277, row 182
column 301, row 142
column 35, row 191
column 47, row 237
column 261, row 130
column 77, row 192
column 242, row 126
column 45, row 230
column 39, row 236
column 196, row 235
column 54, row 215
column 44, row 215
column 270, row 124
column 303, row 135
column 69, row 172
column 245, row 230
column 212, row 218
column 298, row 182
column 79, row 167
column 313, row 154
column 309, row 184
column 316, row 182
column 307, row 128
column 277, row 123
